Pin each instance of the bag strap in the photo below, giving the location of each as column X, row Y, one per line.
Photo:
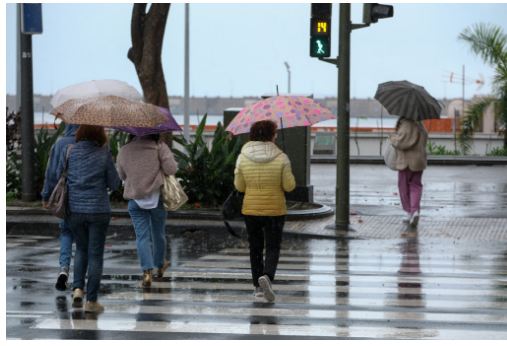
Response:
column 66, row 164
column 230, row 229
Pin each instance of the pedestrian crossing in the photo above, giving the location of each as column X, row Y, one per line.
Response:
column 396, row 289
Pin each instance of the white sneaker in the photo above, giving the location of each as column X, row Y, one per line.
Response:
column 259, row 292
column 414, row 220
column 407, row 217
column 265, row 283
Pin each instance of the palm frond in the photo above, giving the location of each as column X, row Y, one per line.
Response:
column 471, row 121
column 486, row 40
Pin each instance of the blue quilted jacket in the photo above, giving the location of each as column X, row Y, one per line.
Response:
column 91, row 172
column 60, row 146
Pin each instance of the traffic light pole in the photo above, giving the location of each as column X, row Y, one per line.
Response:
column 342, row 126
column 342, row 62
column 371, row 13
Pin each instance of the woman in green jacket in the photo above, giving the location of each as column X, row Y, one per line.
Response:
column 263, row 172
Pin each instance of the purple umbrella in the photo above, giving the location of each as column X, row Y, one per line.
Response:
column 169, row 125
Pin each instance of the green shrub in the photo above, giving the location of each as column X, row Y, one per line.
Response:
column 13, row 154
column 498, row 151
column 117, row 140
column 43, row 142
column 207, row 175
column 434, row 149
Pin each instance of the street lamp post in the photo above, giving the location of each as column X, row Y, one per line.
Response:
column 27, row 140
column 288, row 76
column 31, row 23
column 186, row 115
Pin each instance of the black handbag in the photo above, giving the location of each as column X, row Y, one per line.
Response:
column 231, row 209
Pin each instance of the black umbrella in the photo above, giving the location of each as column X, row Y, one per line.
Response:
column 408, row 100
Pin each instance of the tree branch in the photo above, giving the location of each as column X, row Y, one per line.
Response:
column 136, row 33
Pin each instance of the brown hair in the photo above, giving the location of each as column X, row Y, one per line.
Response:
column 263, row 131
column 91, row 133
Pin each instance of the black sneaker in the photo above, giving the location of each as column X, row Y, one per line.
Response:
column 61, row 282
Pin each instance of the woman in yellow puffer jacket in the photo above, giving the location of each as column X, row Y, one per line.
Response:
column 263, row 172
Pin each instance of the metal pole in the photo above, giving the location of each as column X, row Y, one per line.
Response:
column 289, row 81
column 18, row 61
column 186, row 115
column 288, row 76
column 463, row 92
column 27, row 141
column 343, row 122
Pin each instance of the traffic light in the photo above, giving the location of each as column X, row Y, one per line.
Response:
column 320, row 31
column 372, row 12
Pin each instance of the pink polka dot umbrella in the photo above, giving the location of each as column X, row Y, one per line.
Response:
column 285, row 111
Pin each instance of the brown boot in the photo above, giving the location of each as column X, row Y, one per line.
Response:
column 93, row 307
column 147, row 278
column 77, row 298
column 160, row 271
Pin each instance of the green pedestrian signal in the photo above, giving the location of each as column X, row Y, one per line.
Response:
column 319, row 47
column 320, row 31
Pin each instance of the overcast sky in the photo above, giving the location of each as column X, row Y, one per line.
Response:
column 240, row 49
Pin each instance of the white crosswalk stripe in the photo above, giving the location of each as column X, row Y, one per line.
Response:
column 321, row 291
column 340, row 293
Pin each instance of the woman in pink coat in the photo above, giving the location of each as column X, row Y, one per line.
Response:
column 409, row 140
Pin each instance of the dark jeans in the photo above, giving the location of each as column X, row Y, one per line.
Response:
column 262, row 228
column 89, row 231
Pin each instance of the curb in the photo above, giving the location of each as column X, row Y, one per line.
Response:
column 320, row 211
column 49, row 226
column 33, row 220
column 432, row 160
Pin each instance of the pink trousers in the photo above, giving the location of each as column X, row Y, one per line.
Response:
column 410, row 187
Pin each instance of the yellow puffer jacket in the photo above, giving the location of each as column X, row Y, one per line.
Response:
column 263, row 172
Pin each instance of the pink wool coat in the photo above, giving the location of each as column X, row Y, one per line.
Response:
column 142, row 164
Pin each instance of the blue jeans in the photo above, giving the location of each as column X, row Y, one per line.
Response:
column 66, row 239
column 90, row 233
column 149, row 225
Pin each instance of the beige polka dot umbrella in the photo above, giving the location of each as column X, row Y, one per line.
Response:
column 109, row 111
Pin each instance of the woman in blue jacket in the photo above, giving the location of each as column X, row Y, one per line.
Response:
column 50, row 180
column 91, row 172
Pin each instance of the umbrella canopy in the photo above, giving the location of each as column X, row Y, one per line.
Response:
column 408, row 100
column 109, row 111
column 96, row 88
column 169, row 124
column 285, row 111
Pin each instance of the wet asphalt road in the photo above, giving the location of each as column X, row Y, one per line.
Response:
column 403, row 288
column 448, row 191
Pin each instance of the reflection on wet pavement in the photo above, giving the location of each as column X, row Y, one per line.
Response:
column 449, row 191
column 408, row 287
